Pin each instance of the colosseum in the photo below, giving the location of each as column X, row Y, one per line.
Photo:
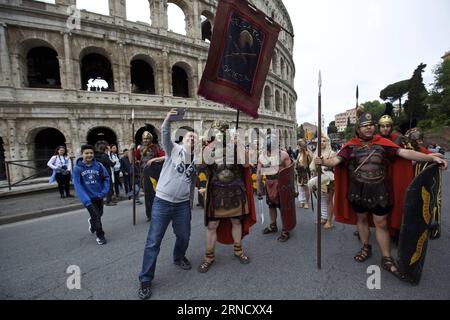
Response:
column 74, row 76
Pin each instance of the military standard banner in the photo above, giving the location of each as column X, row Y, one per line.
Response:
column 239, row 57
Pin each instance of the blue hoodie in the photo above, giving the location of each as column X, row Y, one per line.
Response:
column 90, row 182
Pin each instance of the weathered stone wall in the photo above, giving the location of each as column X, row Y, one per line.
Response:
column 24, row 111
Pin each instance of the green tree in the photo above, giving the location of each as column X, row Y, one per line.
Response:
column 300, row 132
column 439, row 99
column 332, row 128
column 395, row 91
column 415, row 107
column 349, row 132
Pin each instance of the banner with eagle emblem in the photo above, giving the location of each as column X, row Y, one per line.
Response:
column 239, row 57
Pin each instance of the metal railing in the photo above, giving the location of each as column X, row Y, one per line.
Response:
column 20, row 163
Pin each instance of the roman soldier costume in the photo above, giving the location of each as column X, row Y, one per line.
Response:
column 150, row 174
column 280, row 191
column 370, row 176
column 229, row 195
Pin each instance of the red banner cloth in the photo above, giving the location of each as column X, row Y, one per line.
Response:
column 239, row 57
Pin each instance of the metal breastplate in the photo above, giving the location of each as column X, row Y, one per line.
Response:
column 368, row 163
column 226, row 173
column 227, row 186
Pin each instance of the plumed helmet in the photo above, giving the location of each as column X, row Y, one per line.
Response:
column 386, row 120
column 414, row 134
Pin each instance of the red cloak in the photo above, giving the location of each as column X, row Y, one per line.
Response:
column 424, row 150
column 224, row 234
column 400, row 175
column 394, row 136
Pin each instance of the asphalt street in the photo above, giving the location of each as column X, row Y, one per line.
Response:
column 35, row 255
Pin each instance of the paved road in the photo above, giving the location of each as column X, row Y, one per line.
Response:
column 35, row 254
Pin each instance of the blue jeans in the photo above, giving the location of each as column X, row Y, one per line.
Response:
column 162, row 213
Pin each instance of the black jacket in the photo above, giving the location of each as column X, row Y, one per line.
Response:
column 125, row 165
column 104, row 160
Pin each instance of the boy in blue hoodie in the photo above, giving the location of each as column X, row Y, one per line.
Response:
column 91, row 181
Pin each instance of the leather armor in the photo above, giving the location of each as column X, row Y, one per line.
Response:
column 368, row 164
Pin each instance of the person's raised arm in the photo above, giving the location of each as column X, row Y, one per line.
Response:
column 167, row 144
column 418, row 156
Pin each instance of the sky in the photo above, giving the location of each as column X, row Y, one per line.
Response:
column 369, row 43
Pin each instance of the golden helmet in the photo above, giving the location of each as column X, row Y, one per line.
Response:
column 147, row 135
column 386, row 119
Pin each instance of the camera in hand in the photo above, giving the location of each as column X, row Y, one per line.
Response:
column 64, row 170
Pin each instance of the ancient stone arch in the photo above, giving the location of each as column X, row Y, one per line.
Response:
column 268, row 98
column 186, row 67
column 189, row 15
column 277, row 100
column 24, row 48
column 143, row 74
column 102, row 132
column 96, row 62
column 40, row 150
column 121, row 41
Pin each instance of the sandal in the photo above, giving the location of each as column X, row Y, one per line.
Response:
column 243, row 258
column 272, row 228
column 388, row 263
column 284, row 236
column 204, row 267
column 328, row 226
column 364, row 253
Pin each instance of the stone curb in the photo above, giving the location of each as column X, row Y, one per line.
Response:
column 39, row 214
